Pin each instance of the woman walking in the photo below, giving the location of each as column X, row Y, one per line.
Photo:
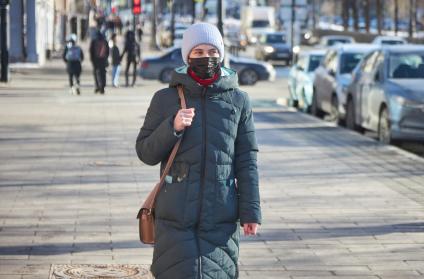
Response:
column 212, row 187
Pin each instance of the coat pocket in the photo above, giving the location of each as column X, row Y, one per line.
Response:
column 226, row 210
column 171, row 201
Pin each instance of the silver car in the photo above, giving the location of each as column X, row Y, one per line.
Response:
column 387, row 94
column 332, row 78
column 301, row 78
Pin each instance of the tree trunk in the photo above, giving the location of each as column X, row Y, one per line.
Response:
column 193, row 11
column 153, row 44
column 411, row 18
column 367, row 15
column 379, row 9
column 396, row 16
column 354, row 6
column 345, row 14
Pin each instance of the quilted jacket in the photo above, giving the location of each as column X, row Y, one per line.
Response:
column 212, row 187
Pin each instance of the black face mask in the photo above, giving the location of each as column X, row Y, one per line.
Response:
column 205, row 67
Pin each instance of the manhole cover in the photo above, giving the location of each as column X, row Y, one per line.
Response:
column 99, row 271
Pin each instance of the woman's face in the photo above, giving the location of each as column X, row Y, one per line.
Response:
column 203, row 51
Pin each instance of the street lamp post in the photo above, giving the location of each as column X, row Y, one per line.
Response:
column 3, row 38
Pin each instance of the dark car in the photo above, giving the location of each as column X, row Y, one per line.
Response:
column 249, row 70
column 387, row 94
column 273, row 46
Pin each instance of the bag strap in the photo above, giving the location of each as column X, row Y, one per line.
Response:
column 151, row 198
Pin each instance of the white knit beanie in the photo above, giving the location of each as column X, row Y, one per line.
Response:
column 201, row 33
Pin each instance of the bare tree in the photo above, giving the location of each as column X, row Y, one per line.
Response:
column 345, row 14
column 396, row 15
column 367, row 14
column 412, row 17
column 379, row 9
column 354, row 6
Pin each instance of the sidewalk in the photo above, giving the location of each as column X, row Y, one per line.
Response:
column 335, row 204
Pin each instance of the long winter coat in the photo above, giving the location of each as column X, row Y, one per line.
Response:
column 200, row 209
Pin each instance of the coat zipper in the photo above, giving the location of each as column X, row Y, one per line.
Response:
column 202, row 172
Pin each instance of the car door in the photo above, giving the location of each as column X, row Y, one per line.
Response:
column 364, row 89
column 376, row 92
column 328, row 82
column 321, row 77
column 293, row 77
column 297, row 80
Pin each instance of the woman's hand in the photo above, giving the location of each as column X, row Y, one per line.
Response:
column 183, row 119
column 250, row 228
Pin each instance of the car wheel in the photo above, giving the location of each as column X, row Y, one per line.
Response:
column 165, row 76
column 248, row 77
column 384, row 129
column 314, row 106
column 350, row 117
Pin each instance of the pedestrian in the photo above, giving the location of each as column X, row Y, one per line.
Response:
column 132, row 49
column 212, row 187
column 139, row 32
column 73, row 56
column 116, row 62
column 99, row 53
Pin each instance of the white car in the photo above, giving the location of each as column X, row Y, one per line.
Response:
column 389, row 40
column 301, row 78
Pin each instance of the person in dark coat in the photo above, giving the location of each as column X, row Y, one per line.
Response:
column 212, row 188
column 116, row 62
column 99, row 53
column 132, row 49
column 73, row 56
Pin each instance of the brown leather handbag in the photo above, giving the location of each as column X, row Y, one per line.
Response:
column 146, row 215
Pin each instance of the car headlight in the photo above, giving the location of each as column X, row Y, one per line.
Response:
column 296, row 49
column 402, row 101
column 269, row 49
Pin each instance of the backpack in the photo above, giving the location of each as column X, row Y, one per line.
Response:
column 100, row 49
column 73, row 54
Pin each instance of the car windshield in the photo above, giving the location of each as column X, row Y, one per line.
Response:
column 349, row 61
column 275, row 38
column 408, row 65
column 392, row 42
column 260, row 23
column 314, row 61
column 333, row 42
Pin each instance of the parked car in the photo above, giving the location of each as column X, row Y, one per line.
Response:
column 389, row 40
column 332, row 78
column 301, row 78
column 328, row 41
column 249, row 70
column 273, row 46
column 387, row 94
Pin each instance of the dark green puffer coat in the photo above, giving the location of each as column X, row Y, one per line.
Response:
column 200, row 208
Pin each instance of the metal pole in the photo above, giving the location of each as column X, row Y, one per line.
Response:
column 220, row 23
column 153, row 44
column 3, row 38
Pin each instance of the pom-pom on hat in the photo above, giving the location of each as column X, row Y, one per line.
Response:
column 201, row 33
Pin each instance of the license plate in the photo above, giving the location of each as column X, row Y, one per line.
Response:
column 282, row 55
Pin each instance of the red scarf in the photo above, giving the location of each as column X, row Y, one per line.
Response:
column 203, row 82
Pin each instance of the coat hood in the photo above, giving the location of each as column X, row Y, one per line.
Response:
column 227, row 81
